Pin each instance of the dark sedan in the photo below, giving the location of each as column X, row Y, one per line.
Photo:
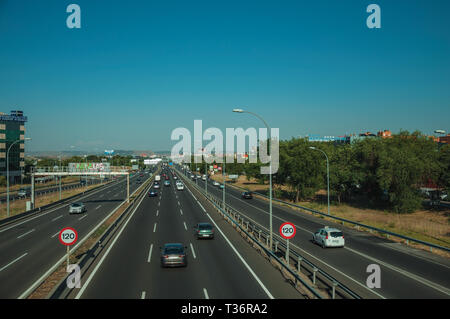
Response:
column 173, row 255
column 152, row 193
column 247, row 195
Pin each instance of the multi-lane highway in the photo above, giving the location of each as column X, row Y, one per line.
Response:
column 405, row 272
column 31, row 246
column 223, row 267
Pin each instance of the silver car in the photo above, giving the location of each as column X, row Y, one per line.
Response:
column 77, row 208
column 173, row 255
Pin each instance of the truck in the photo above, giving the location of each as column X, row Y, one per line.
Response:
column 157, row 178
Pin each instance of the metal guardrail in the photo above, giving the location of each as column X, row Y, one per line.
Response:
column 251, row 227
column 343, row 220
column 30, row 290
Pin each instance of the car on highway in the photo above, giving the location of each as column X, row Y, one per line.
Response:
column 24, row 192
column 204, row 230
column 216, row 183
column 138, row 181
column 152, row 193
column 193, row 177
column 204, row 177
column 156, row 185
column 166, row 183
column 329, row 237
column 180, row 186
column 77, row 208
column 173, row 255
column 221, row 186
column 247, row 195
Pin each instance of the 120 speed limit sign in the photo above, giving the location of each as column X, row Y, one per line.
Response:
column 68, row 236
column 287, row 230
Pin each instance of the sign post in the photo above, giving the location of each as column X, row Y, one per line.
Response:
column 287, row 231
column 68, row 236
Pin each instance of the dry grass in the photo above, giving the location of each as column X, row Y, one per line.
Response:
column 430, row 226
column 16, row 187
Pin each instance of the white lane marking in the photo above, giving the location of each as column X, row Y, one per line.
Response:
column 159, row 203
column 143, row 295
column 193, row 252
column 82, row 217
column 205, row 292
column 157, row 212
column 26, row 233
column 55, row 234
column 154, row 228
column 56, row 218
column 98, row 207
column 150, row 253
column 242, row 259
column 12, row 262
column 181, row 212
column 178, row 203
column 401, row 271
column 185, row 227
column 201, row 206
column 80, row 293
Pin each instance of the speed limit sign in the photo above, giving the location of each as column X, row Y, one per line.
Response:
column 287, row 230
column 68, row 236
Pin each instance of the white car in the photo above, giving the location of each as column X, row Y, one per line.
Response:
column 204, row 177
column 180, row 186
column 215, row 183
column 77, row 208
column 329, row 237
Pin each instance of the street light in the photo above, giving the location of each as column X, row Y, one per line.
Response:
column 270, row 170
column 328, row 176
column 7, row 171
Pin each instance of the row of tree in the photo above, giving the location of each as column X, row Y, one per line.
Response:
column 383, row 172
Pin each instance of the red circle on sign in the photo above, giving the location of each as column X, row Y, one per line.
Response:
column 291, row 235
column 71, row 243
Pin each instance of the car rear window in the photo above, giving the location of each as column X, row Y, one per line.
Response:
column 205, row 227
column 336, row 234
column 173, row 250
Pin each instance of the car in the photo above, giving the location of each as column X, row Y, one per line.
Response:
column 204, row 177
column 204, row 230
column 152, row 193
column 329, row 237
column 221, row 186
column 180, row 186
column 193, row 177
column 24, row 192
column 173, row 255
column 166, row 183
column 138, row 181
column 247, row 195
column 216, row 183
column 77, row 208
column 156, row 185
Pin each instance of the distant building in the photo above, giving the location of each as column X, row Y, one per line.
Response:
column 12, row 129
column 444, row 139
column 384, row 134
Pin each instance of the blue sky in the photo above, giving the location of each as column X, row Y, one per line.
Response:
column 136, row 70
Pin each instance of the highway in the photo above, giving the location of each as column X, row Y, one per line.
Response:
column 223, row 267
column 31, row 246
column 405, row 272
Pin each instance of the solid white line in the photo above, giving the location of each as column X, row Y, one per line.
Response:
column 143, row 295
column 82, row 217
column 98, row 207
column 242, row 259
column 154, row 228
column 80, row 293
column 150, row 253
column 193, row 252
column 185, row 227
column 201, row 206
column 12, row 262
column 205, row 292
column 55, row 235
column 56, row 218
column 26, row 233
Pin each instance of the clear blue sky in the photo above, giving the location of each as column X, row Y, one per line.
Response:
column 138, row 69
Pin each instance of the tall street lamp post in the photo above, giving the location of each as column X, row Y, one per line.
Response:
column 270, row 171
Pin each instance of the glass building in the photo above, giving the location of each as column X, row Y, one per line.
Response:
column 12, row 129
